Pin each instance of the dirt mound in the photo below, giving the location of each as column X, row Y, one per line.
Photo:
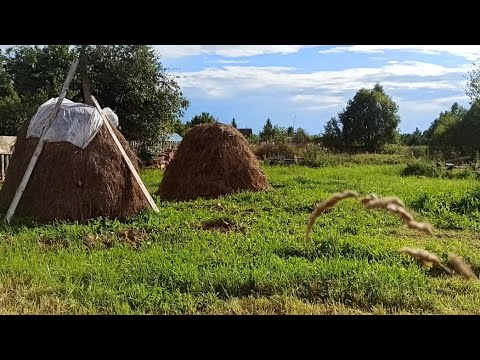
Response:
column 223, row 225
column 212, row 160
column 70, row 183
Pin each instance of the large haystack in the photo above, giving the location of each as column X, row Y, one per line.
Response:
column 212, row 160
column 71, row 183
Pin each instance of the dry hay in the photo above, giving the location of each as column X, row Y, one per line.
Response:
column 70, row 183
column 461, row 267
column 327, row 204
column 212, row 160
column 396, row 206
column 426, row 258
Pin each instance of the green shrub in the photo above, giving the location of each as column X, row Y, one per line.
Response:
column 310, row 155
column 267, row 150
column 422, row 168
column 467, row 173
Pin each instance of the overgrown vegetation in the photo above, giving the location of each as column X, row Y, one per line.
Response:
column 438, row 170
column 172, row 263
column 130, row 79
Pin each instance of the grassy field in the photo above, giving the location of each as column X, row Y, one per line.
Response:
column 256, row 261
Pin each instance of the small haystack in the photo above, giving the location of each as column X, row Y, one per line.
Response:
column 71, row 183
column 212, row 160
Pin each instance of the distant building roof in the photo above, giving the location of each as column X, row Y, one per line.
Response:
column 174, row 137
column 246, row 131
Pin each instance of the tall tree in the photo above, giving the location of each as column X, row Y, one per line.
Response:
column 267, row 133
column 129, row 79
column 234, row 123
column 370, row 119
column 203, row 118
column 279, row 134
column 332, row 134
column 300, row 136
column 467, row 132
column 444, row 136
column 10, row 102
column 473, row 83
column 415, row 138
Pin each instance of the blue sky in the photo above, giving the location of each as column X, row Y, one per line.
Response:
column 310, row 84
column 313, row 83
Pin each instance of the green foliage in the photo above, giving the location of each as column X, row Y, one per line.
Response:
column 422, row 168
column 129, row 79
column 315, row 157
column 234, row 123
column 468, row 130
column 300, row 137
column 351, row 265
column 332, row 134
column 29, row 76
column 179, row 128
column 416, row 138
column 254, row 139
column 268, row 132
column 473, row 84
column 466, row 173
column 279, row 134
column 345, row 159
column 203, row 118
column 369, row 120
column 267, row 150
column 420, row 151
column 310, row 155
column 455, row 132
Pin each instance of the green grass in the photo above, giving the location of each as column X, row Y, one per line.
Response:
column 263, row 265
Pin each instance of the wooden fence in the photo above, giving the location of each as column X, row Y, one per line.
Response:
column 6, row 150
column 135, row 145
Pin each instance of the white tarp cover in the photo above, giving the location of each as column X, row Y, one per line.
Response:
column 76, row 123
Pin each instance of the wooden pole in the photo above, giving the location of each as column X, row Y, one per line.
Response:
column 3, row 166
column 126, row 158
column 41, row 143
column 87, row 95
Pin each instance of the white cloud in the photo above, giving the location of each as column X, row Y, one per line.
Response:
column 328, row 90
column 229, row 81
column 222, row 61
column 469, row 52
column 318, row 102
column 178, row 51
column 420, row 113
column 433, row 105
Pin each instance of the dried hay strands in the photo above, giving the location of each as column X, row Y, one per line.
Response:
column 426, row 258
column 327, row 204
column 461, row 267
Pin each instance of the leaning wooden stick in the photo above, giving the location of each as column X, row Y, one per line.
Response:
column 324, row 205
column 125, row 157
column 41, row 143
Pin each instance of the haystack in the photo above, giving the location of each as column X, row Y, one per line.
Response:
column 71, row 183
column 212, row 160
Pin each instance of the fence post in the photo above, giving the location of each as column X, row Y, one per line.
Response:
column 3, row 166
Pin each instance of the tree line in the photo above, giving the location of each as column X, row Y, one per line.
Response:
column 370, row 121
column 130, row 79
